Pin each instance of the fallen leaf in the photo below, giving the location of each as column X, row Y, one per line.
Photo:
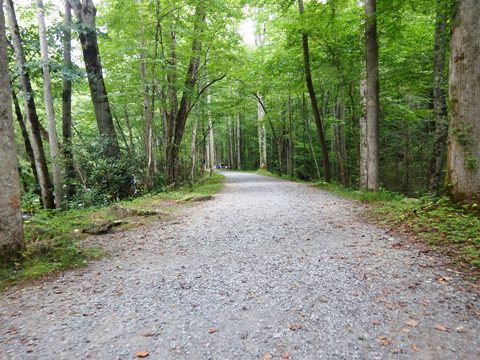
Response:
column 444, row 279
column 142, row 354
column 150, row 334
column 411, row 322
column 441, row 327
column 384, row 340
column 473, row 309
column 212, row 330
column 295, row 327
column 415, row 348
column 267, row 356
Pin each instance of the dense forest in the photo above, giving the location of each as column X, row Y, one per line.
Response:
column 114, row 99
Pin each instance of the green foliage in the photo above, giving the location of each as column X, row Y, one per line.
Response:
column 53, row 238
column 450, row 228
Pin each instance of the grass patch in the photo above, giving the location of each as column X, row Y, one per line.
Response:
column 53, row 238
column 450, row 228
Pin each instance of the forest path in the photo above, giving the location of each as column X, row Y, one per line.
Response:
column 268, row 269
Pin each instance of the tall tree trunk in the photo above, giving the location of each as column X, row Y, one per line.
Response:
column 193, row 149
column 31, row 111
column 130, row 129
column 85, row 13
column 239, row 143
column 26, row 140
column 69, row 171
column 185, row 107
column 48, row 98
column 463, row 154
column 373, row 102
column 11, row 230
column 439, row 103
column 313, row 100
column 211, row 138
column 262, row 133
column 339, row 140
column 290, row 166
column 363, row 148
column 148, row 125
column 172, row 96
column 309, row 136
column 231, row 145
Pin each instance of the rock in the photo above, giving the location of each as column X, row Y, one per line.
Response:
column 122, row 212
column 101, row 227
column 195, row 198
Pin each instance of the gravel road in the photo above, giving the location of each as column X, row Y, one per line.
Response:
column 268, row 269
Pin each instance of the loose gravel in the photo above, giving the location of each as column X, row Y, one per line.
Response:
column 268, row 269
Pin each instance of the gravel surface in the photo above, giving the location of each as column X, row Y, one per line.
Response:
column 268, row 269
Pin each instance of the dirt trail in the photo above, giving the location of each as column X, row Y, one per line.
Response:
column 269, row 269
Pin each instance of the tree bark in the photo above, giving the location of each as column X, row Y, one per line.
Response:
column 290, row 165
column 69, row 170
column 363, row 148
column 211, row 137
column 148, row 125
column 463, row 154
column 31, row 111
column 48, row 99
column 11, row 230
column 339, row 141
column 262, row 133
column 373, row 101
column 173, row 147
column 313, row 100
column 26, row 140
column 309, row 136
column 85, row 13
column 439, row 103
column 193, row 148
column 239, row 142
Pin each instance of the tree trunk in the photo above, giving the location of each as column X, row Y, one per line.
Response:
column 67, row 105
column 309, row 136
column 313, row 100
column 148, row 126
column 211, row 138
column 373, row 102
column 31, row 111
column 463, row 154
column 193, row 149
column 363, row 149
column 26, row 140
column 11, row 230
column 239, row 143
column 339, row 142
column 262, row 133
column 231, row 145
column 48, row 98
column 185, row 107
column 290, row 167
column 85, row 13
column 439, row 103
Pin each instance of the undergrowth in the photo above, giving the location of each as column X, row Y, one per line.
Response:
column 449, row 228
column 53, row 238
